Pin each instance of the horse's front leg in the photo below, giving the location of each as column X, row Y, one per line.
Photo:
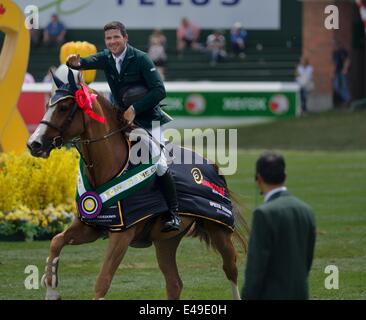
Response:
column 77, row 233
column 117, row 248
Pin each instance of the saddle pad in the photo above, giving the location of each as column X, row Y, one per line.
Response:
column 201, row 191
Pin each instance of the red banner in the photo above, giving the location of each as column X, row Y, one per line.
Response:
column 31, row 106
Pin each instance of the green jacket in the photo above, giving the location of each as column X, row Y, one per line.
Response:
column 137, row 69
column 281, row 248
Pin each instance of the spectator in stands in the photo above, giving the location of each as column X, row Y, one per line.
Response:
column 55, row 32
column 187, row 36
column 157, row 53
column 158, row 36
column 28, row 78
column 237, row 37
column 342, row 64
column 216, row 46
column 304, row 77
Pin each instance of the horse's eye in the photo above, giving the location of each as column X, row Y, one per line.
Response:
column 63, row 108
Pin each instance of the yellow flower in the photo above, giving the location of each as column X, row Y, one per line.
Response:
column 39, row 191
column 32, row 183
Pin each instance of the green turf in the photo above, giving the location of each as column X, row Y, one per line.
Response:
column 321, row 131
column 333, row 183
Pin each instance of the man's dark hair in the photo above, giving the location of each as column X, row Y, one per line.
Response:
column 271, row 167
column 116, row 25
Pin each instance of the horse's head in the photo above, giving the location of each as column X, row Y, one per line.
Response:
column 62, row 121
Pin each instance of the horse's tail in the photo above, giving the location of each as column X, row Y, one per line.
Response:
column 198, row 231
column 241, row 229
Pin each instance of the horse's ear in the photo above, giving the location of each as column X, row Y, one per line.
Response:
column 71, row 79
column 56, row 80
column 80, row 77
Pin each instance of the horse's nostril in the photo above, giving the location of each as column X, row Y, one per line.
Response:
column 35, row 145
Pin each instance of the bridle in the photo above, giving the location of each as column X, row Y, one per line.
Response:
column 59, row 141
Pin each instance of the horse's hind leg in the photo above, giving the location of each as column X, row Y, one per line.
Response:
column 221, row 240
column 77, row 233
column 166, row 255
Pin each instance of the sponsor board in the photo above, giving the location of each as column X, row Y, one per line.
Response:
column 231, row 104
column 164, row 14
column 223, row 103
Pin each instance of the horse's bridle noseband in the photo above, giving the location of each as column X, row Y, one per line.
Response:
column 58, row 141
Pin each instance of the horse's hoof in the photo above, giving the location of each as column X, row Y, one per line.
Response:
column 52, row 294
column 54, row 299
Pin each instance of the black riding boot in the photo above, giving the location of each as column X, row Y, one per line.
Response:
column 170, row 219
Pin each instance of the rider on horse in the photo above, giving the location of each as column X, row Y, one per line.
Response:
column 126, row 68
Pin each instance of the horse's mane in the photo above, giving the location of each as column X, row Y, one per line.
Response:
column 107, row 105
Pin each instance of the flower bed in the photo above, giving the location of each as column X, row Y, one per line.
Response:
column 26, row 224
column 36, row 195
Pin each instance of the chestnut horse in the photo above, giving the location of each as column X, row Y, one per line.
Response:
column 104, row 149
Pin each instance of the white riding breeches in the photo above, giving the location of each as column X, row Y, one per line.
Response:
column 158, row 138
column 145, row 145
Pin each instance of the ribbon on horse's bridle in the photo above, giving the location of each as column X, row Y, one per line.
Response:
column 58, row 141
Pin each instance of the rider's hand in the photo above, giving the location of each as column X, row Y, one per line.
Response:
column 130, row 114
column 73, row 60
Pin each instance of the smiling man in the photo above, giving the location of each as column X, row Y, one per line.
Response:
column 137, row 90
column 125, row 67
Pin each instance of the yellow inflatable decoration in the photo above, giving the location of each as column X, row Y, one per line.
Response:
column 84, row 49
column 13, row 65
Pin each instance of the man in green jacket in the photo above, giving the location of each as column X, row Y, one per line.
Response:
column 281, row 245
column 125, row 67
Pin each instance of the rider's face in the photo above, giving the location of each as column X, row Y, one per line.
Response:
column 114, row 41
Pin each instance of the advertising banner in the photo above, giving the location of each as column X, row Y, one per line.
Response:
column 164, row 14
column 195, row 104
column 231, row 104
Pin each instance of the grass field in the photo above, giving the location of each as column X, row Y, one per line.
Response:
column 333, row 182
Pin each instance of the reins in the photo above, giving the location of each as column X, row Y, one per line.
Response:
column 76, row 141
column 89, row 141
